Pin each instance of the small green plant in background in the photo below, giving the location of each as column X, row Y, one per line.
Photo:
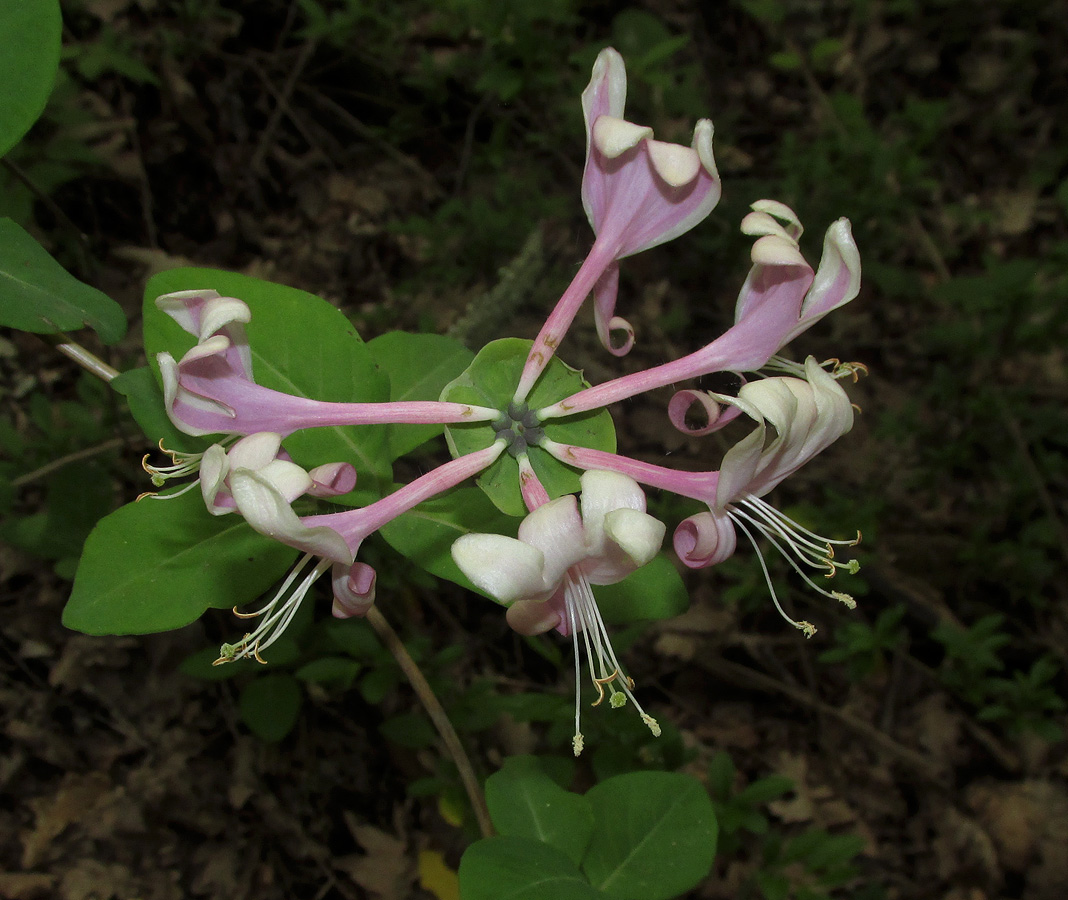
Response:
column 864, row 648
column 1027, row 701
column 811, row 865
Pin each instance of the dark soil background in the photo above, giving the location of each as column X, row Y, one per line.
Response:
column 395, row 159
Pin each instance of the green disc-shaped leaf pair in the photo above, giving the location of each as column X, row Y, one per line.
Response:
column 491, row 381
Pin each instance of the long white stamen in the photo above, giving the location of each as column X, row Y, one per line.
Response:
column 810, row 548
column 736, row 516
column 818, row 539
column 278, row 612
column 605, row 669
column 576, row 741
column 806, row 627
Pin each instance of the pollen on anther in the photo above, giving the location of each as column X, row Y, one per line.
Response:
column 845, row 599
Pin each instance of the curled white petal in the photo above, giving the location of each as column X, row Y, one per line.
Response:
column 702, row 143
column 267, row 511
column 220, row 312
column 213, row 471
column 782, row 212
column 255, row 450
column 180, row 306
column 602, row 492
column 774, row 250
column 556, row 530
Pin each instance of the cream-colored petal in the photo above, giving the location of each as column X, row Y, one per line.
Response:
column 761, row 223
column 255, row 450
column 176, row 306
column 556, row 530
column 267, row 511
column 220, row 312
column 773, row 250
column 702, row 143
column 602, row 492
column 614, row 137
column 782, row 212
column 213, row 346
column 213, row 471
column 676, row 164
column 638, row 534
column 289, row 479
column 506, row 569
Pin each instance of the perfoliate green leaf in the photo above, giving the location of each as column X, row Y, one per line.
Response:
column 425, row 535
column 491, row 381
column 28, row 65
column 158, row 564
column 37, row 294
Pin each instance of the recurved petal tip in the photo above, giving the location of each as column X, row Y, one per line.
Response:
column 614, row 137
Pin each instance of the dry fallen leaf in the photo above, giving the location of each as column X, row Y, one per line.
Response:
column 74, row 802
column 25, row 885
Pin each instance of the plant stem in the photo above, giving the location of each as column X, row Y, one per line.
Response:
column 395, row 646
column 88, row 361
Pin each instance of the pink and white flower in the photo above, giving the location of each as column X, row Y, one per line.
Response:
column 211, row 390
column 563, row 547
column 781, row 298
column 262, row 453
column 263, row 496
column 638, row 192
column 808, row 415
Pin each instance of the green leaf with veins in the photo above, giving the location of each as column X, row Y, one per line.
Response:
column 491, row 380
column 158, row 564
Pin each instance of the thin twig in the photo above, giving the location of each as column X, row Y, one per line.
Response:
column 55, row 464
column 281, row 107
column 395, row 646
column 743, row 675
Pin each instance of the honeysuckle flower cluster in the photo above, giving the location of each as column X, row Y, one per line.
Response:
column 638, row 192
